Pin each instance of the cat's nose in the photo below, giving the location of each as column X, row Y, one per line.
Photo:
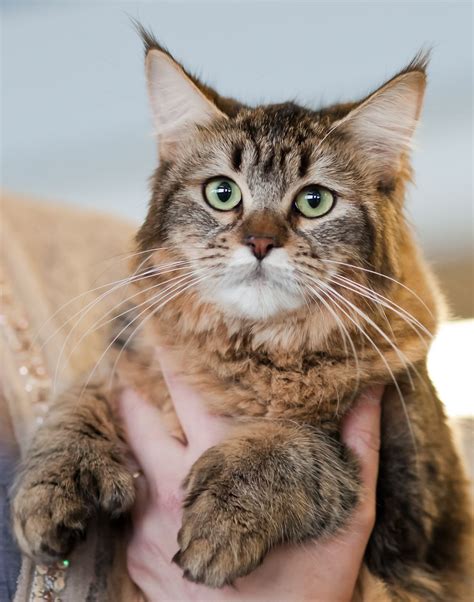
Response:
column 260, row 245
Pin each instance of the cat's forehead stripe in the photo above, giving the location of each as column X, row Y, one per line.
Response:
column 305, row 160
column 237, row 157
column 269, row 159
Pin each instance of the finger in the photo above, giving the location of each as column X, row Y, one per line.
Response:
column 361, row 432
column 153, row 447
column 201, row 428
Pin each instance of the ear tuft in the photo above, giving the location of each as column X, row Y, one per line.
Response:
column 383, row 124
column 148, row 39
column 419, row 62
column 177, row 104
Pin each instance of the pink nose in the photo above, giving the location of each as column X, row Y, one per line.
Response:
column 260, row 245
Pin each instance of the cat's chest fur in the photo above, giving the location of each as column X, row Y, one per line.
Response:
column 297, row 370
column 237, row 379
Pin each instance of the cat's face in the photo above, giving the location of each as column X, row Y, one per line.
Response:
column 260, row 206
column 264, row 206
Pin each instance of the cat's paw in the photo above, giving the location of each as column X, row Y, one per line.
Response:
column 222, row 536
column 51, row 509
column 49, row 518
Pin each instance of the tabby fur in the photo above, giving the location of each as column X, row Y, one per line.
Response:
column 284, row 370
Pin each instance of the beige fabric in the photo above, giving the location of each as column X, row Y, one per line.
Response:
column 51, row 254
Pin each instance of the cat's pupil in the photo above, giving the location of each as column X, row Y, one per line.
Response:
column 314, row 198
column 224, row 191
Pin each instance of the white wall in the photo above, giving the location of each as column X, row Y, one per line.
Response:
column 75, row 116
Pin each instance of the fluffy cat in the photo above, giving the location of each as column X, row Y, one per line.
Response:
column 276, row 260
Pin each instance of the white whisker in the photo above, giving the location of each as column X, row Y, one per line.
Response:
column 64, row 305
column 394, row 280
column 171, row 295
column 367, row 293
column 150, row 304
column 98, row 324
column 115, row 286
column 83, row 312
column 330, row 291
column 345, row 335
column 369, row 320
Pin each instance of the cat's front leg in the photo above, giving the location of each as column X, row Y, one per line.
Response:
column 275, row 483
column 74, row 467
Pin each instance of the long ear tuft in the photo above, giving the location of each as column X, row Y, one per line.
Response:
column 178, row 98
column 227, row 105
column 382, row 125
column 149, row 40
column 420, row 62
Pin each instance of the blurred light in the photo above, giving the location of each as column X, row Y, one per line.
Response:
column 450, row 366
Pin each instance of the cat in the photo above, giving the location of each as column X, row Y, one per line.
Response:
column 276, row 260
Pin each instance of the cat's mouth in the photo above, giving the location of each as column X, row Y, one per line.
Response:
column 255, row 290
column 255, row 273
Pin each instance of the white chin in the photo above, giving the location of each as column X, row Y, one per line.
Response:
column 256, row 301
column 256, row 294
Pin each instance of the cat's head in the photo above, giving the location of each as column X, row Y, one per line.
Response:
column 263, row 206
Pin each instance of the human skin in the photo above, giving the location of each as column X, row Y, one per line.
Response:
column 316, row 571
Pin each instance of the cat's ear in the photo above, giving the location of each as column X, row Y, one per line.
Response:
column 177, row 101
column 383, row 124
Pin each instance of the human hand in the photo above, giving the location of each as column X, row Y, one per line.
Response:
column 317, row 571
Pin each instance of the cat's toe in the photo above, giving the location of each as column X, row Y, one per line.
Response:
column 218, row 544
column 217, row 561
column 51, row 508
column 116, row 489
column 48, row 521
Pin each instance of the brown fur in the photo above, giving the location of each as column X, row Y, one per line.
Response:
column 287, row 378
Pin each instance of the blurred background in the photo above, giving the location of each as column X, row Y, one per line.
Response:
column 76, row 126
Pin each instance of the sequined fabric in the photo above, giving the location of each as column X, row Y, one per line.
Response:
column 25, row 352
column 48, row 583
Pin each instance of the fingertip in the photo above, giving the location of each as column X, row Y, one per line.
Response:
column 361, row 430
column 364, row 415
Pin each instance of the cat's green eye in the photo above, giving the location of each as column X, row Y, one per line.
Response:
column 222, row 194
column 314, row 201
